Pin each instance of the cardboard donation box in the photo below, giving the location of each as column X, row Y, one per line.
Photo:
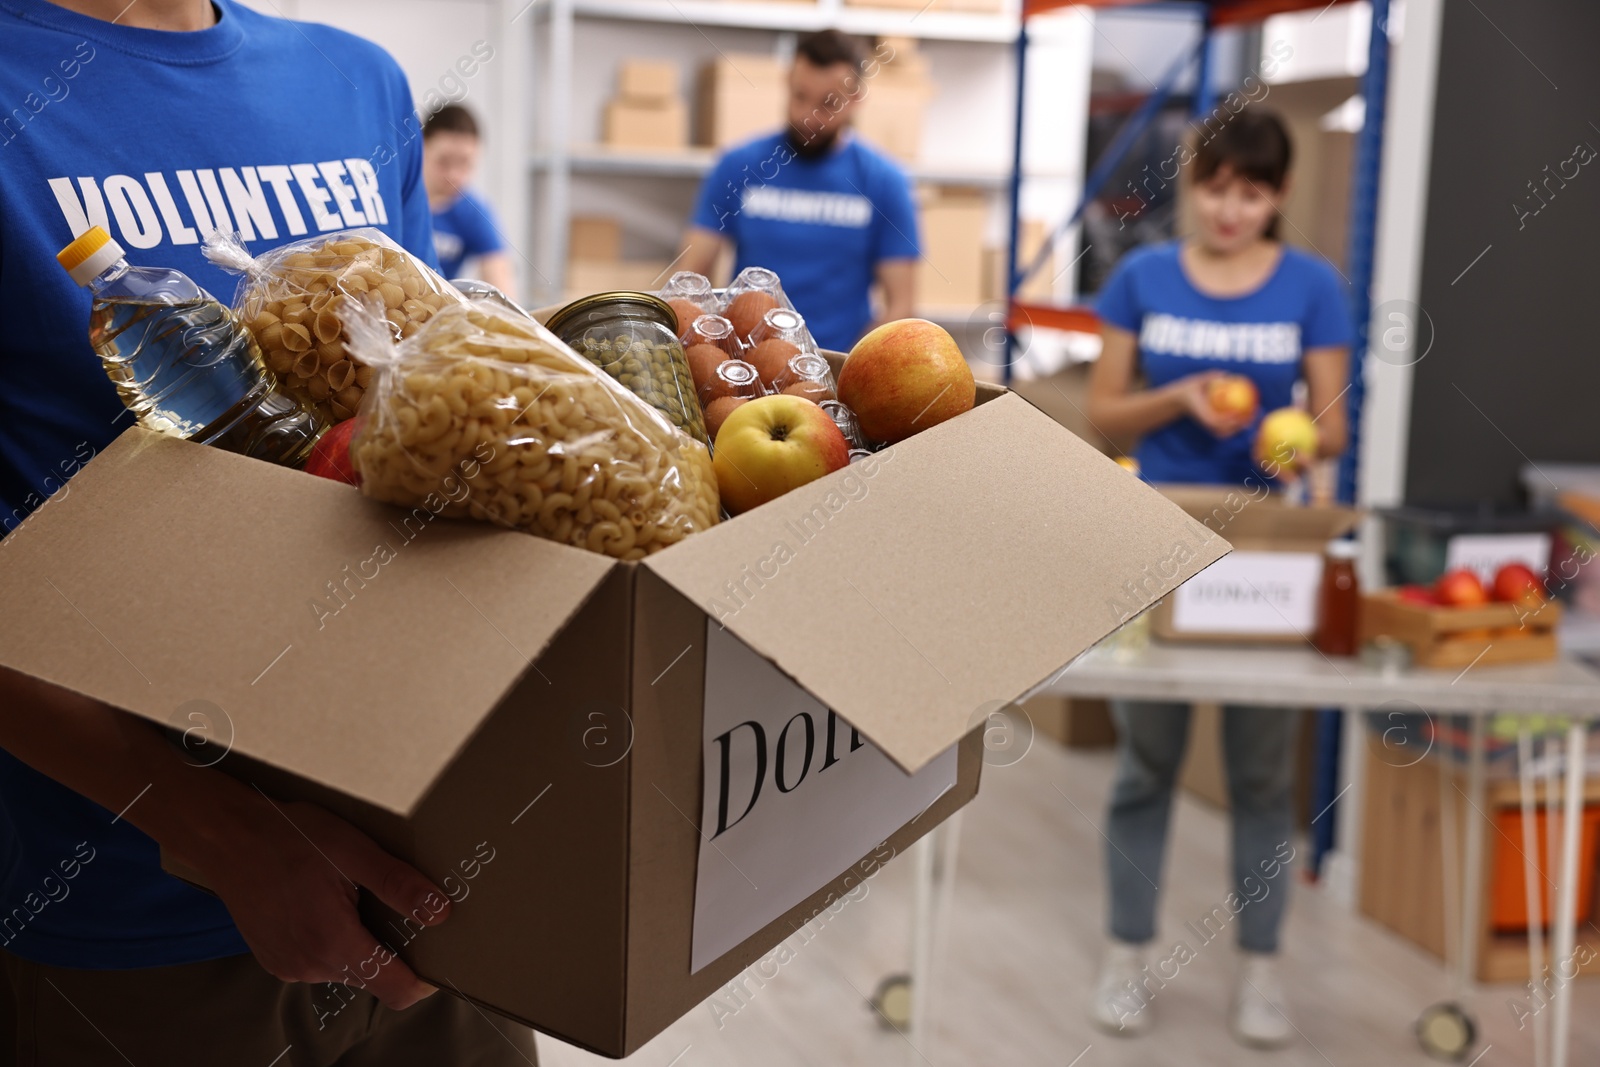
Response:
column 1266, row 590
column 633, row 778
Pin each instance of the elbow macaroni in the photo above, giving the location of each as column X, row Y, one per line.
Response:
column 541, row 440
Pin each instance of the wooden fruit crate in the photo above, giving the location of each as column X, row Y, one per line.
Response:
column 1441, row 636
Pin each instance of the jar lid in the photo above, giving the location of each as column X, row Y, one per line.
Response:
column 650, row 306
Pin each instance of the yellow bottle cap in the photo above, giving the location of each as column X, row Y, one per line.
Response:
column 92, row 240
column 91, row 253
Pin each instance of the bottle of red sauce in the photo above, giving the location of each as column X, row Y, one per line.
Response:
column 1340, row 600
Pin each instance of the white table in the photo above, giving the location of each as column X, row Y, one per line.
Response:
column 1302, row 677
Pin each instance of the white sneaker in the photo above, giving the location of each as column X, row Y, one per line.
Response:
column 1260, row 1017
column 1121, row 1005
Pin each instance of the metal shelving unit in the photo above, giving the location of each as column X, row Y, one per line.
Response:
column 802, row 17
column 697, row 163
column 556, row 160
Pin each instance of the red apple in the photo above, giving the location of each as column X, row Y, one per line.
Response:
column 1417, row 594
column 904, row 377
column 1460, row 589
column 330, row 456
column 1233, row 394
column 771, row 445
column 1515, row 583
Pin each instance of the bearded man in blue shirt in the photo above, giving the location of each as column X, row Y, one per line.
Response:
column 831, row 215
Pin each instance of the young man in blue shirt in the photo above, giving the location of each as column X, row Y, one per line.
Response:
column 162, row 120
column 463, row 228
column 829, row 214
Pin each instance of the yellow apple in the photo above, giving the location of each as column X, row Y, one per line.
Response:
column 1287, row 438
column 904, row 377
column 773, row 444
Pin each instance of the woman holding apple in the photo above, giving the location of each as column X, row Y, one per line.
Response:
column 1201, row 335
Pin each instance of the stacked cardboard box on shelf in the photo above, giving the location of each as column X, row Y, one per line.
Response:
column 953, row 225
column 996, row 275
column 740, row 95
column 898, row 87
column 647, row 111
column 595, row 263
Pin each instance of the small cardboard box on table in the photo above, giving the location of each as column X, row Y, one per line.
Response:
column 633, row 779
column 1266, row 591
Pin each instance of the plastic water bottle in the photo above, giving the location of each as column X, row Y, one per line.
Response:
column 181, row 362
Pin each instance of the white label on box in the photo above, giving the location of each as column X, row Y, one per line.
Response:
column 793, row 797
column 1487, row 553
column 1251, row 593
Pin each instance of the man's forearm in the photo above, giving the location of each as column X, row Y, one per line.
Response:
column 120, row 762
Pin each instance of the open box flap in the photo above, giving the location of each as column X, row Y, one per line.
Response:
column 347, row 641
column 1246, row 514
column 972, row 561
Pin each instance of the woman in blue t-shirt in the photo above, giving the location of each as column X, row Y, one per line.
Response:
column 1230, row 299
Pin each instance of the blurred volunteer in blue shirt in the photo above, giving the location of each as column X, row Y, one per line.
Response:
column 161, row 121
column 829, row 214
column 1230, row 299
column 464, row 230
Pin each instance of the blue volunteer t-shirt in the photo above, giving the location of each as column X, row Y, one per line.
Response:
column 278, row 130
column 1262, row 335
column 463, row 231
column 823, row 225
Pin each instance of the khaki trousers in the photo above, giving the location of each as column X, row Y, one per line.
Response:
column 231, row 1013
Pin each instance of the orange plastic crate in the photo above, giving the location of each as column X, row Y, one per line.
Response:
column 1508, row 898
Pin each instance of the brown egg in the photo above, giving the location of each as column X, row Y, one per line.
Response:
column 733, row 377
column 686, row 311
column 747, row 310
column 703, row 362
column 718, row 411
column 816, row 392
column 771, row 357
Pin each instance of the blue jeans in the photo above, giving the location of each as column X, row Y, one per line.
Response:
column 1258, row 747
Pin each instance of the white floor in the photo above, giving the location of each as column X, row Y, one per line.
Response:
column 1022, row 943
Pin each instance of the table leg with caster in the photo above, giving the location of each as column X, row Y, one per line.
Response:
column 1564, row 924
column 1527, row 793
column 905, row 1001
column 1447, row 1030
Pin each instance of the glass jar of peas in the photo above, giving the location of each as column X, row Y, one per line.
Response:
column 631, row 337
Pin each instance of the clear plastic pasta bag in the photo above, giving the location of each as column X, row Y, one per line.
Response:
column 483, row 413
column 295, row 299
